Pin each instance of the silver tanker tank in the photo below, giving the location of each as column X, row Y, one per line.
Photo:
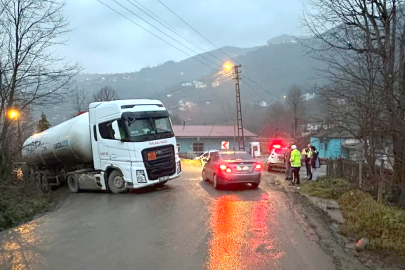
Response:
column 68, row 144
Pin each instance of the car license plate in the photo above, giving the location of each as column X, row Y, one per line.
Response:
column 152, row 156
column 164, row 178
column 244, row 168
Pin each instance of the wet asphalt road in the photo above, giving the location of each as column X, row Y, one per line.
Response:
column 185, row 225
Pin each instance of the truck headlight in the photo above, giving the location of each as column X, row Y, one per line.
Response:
column 140, row 176
column 178, row 167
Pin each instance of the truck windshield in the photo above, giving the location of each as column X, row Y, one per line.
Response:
column 147, row 129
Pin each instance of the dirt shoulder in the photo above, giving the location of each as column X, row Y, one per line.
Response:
column 324, row 230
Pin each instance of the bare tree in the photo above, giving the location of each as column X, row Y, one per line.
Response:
column 80, row 101
column 30, row 73
column 277, row 122
column 363, row 44
column 106, row 93
column 294, row 103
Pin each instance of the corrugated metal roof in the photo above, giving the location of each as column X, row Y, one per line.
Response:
column 208, row 131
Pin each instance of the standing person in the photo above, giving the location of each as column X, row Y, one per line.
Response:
column 315, row 163
column 295, row 164
column 287, row 157
column 307, row 152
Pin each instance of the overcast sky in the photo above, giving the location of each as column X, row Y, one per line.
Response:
column 105, row 42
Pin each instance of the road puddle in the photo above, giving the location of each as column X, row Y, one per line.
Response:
column 19, row 249
column 241, row 238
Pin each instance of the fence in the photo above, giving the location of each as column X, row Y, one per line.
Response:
column 359, row 174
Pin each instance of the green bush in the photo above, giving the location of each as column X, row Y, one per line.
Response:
column 327, row 188
column 364, row 217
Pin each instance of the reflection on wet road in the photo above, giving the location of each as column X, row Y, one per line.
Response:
column 186, row 225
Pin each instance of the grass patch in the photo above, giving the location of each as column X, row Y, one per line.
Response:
column 364, row 217
column 191, row 162
column 19, row 203
column 327, row 188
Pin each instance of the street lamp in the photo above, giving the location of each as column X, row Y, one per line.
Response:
column 13, row 114
column 227, row 66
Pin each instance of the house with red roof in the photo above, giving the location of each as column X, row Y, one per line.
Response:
column 193, row 140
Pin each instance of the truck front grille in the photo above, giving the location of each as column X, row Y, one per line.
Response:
column 164, row 165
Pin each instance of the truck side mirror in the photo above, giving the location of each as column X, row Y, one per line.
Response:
column 116, row 129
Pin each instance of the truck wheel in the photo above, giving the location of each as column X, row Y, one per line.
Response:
column 44, row 183
column 116, row 182
column 73, row 184
column 38, row 180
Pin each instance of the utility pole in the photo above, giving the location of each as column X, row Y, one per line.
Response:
column 234, row 134
column 239, row 121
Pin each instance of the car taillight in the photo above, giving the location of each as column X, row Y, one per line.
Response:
column 225, row 168
column 258, row 167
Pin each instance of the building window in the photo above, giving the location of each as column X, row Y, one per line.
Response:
column 198, row 148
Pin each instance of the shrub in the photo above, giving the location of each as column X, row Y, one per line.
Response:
column 20, row 203
column 327, row 188
column 364, row 217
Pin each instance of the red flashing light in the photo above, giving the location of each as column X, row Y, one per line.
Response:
column 258, row 167
column 277, row 146
column 228, row 170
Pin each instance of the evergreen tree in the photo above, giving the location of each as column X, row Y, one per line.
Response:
column 43, row 124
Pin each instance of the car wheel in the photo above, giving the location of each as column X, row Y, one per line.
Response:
column 216, row 184
column 73, row 184
column 116, row 182
column 255, row 185
column 204, row 175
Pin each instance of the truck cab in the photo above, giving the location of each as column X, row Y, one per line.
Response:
column 135, row 139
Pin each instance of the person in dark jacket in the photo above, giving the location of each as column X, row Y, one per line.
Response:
column 288, row 172
column 306, row 154
column 315, row 163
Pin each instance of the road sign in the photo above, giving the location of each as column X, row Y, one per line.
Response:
column 225, row 145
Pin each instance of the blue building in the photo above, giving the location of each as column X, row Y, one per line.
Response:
column 331, row 144
column 193, row 140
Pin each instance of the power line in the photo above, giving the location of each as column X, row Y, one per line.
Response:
column 255, row 91
column 169, row 27
column 168, row 43
column 169, row 92
column 265, row 90
column 215, row 64
column 195, row 30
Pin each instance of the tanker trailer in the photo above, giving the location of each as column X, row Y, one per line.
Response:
column 117, row 145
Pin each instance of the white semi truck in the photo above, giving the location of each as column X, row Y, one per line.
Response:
column 117, row 145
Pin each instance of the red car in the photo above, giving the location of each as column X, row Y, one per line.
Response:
column 230, row 167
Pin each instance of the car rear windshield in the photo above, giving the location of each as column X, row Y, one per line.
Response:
column 281, row 151
column 236, row 156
